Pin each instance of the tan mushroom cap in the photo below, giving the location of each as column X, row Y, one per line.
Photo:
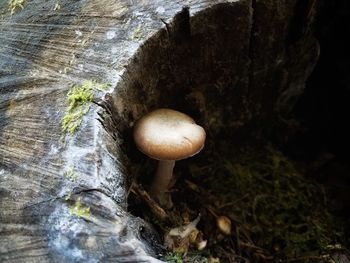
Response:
column 166, row 134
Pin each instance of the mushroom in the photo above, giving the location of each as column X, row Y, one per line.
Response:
column 168, row 136
column 224, row 225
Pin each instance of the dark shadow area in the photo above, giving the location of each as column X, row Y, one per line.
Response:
column 324, row 107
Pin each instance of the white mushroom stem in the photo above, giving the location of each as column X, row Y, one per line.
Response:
column 162, row 178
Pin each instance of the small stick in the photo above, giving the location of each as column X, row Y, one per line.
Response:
column 233, row 202
column 156, row 209
column 257, row 251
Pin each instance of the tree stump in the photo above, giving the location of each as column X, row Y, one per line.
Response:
column 230, row 64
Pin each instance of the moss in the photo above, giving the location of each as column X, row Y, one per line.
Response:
column 277, row 203
column 11, row 107
column 79, row 100
column 175, row 257
column 137, row 33
column 15, row 5
column 71, row 174
column 68, row 196
column 79, row 210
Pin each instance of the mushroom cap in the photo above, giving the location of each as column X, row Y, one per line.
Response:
column 166, row 134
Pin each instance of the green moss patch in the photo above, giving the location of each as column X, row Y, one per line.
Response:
column 79, row 210
column 137, row 33
column 174, row 257
column 79, row 99
column 71, row 174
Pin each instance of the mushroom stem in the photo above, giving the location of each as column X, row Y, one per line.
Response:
column 162, row 178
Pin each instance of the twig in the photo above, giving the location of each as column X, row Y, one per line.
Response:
column 211, row 210
column 257, row 251
column 233, row 202
column 156, row 209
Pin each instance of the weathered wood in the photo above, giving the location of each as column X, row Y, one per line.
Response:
column 232, row 62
